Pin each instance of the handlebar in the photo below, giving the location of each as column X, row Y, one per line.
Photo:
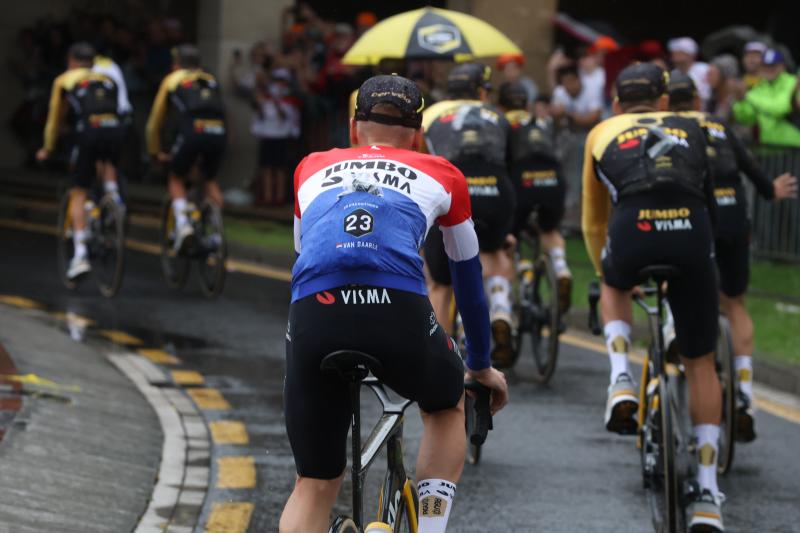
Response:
column 478, row 431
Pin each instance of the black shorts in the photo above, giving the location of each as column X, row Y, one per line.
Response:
column 732, row 239
column 492, row 197
column 272, row 152
column 539, row 187
column 646, row 231
column 420, row 362
column 91, row 146
column 204, row 149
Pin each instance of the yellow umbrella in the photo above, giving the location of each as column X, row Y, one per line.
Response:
column 429, row 33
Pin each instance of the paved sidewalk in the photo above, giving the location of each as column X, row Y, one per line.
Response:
column 83, row 452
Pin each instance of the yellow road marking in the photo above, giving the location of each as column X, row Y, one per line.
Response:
column 229, row 517
column 784, row 411
column 159, row 356
column 72, row 318
column 234, row 265
column 33, row 379
column 20, row 301
column 236, row 472
column 120, row 337
column 209, row 399
column 229, row 432
column 187, row 377
column 28, row 226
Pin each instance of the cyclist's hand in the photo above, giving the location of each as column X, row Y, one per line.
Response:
column 42, row 154
column 495, row 380
column 637, row 292
column 785, row 186
column 164, row 157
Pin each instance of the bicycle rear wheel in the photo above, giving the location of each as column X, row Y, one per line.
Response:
column 545, row 315
column 407, row 514
column 343, row 524
column 665, row 501
column 107, row 247
column 211, row 263
column 727, row 379
column 174, row 266
column 65, row 247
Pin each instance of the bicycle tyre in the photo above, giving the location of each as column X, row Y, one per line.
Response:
column 670, row 485
column 405, row 524
column 343, row 524
column 473, row 450
column 211, row 267
column 545, row 349
column 65, row 247
column 108, row 273
column 727, row 378
column 174, row 267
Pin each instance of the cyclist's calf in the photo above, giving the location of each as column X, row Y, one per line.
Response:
column 308, row 508
column 441, row 452
column 705, row 394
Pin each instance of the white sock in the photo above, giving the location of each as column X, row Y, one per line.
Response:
column 79, row 243
column 499, row 290
column 435, row 501
column 707, row 436
column 559, row 257
column 110, row 186
column 744, row 371
column 618, row 340
column 179, row 209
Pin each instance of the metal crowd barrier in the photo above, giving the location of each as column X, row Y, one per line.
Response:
column 776, row 226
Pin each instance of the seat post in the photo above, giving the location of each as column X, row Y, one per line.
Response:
column 355, row 405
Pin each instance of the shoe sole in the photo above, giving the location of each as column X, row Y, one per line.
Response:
column 745, row 427
column 622, row 419
column 503, row 352
column 704, row 528
column 79, row 275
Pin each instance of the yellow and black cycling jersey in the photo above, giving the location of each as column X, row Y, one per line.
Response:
column 464, row 128
column 89, row 97
column 635, row 154
column 530, row 138
column 195, row 95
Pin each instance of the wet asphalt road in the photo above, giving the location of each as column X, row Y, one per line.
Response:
column 548, row 466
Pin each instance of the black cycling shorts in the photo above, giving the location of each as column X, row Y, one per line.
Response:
column 93, row 145
column 667, row 230
column 420, row 362
column 539, row 187
column 204, row 149
column 492, row 197
column 733, row 239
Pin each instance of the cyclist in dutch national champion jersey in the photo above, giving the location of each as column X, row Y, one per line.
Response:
column 535, row 171
column 361, row 216
column 202, row 135
column 89, row 99
column 652, row 166
column 472, row 134
column 728, row 159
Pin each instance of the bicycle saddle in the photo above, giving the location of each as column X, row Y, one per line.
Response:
column 350, row 364
column 658, row 273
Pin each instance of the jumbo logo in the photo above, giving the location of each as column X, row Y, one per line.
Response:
column 439, row 38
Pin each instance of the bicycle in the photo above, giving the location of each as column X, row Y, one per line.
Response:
column 105, row 240
column 208, row 248
column 397, row 500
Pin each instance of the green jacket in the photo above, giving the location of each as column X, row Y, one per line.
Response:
column 768, row 104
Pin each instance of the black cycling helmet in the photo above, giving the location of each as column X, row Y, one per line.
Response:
column 465, row 80
column 396, row 91
column 82, row 51
column 512, row 95
column 681, row 88
column 641, row 82
column 186, row 56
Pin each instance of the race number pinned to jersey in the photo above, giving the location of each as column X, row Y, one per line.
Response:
column 359, row 223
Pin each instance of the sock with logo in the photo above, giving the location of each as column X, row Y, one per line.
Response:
column 79, row 242
column 559, row 257
column 499, row 290
column 744, row 371
column 179, row 209
column 707, row 436
column 435, row 501
column 618, row 339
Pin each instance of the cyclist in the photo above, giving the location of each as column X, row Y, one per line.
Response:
column 653, row 167
column 361, row 215
column 472, row 134
column 538, row 183
column 89, row 99
column 195, row 95
column 728, row 158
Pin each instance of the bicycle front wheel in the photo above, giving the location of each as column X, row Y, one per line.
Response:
column 65, row 247
column 174, row 266
column 727, row 380
column 545, row 319
column 107, row 247
column 211, row 265
column 407, row 515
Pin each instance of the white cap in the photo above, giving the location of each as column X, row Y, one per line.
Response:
column 755, row 46
column 686, row 45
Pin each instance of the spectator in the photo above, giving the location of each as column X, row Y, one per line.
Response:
column 723, row 74
column 244, row 75
column 541, row 108
column 772, row 104
column 276, row 121
column 510, row 66
column 591, row 64
column 751, row 61
column 572, row 101
column 364, row 21
column 683, row 53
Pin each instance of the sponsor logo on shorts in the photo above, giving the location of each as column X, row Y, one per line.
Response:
column 664, row 219
column 483, row 186
column 365, row 296
column 434, row 324
column 539, row 178
column 725, row 196
column 326, row 298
